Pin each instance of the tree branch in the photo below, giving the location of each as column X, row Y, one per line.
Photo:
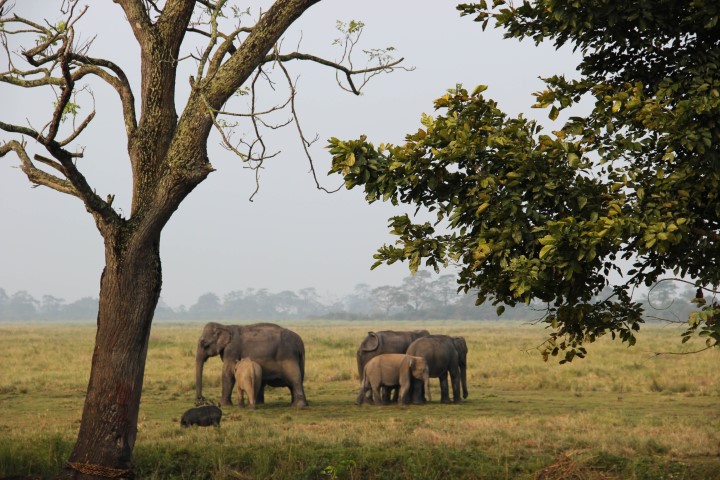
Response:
column 34, row 174
column 349, row 72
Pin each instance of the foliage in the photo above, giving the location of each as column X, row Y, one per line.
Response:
column 627, row 192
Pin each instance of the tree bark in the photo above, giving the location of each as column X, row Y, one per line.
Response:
column 129, row 292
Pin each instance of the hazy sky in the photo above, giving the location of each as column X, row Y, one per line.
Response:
column 292, row 235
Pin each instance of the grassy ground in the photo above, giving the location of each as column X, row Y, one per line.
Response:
column 619, row 414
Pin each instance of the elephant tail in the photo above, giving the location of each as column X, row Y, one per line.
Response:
column 301, row 362
column 361, row 395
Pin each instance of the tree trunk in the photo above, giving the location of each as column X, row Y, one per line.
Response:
column 129, row 292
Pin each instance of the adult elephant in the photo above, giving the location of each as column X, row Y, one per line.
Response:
column 279, row 352
column 444, row 355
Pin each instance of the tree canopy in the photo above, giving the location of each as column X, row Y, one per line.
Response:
column 616, row 197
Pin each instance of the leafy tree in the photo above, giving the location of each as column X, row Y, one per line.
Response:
column 166, row 151
column 628, row 191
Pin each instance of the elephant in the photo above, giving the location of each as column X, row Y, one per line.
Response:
column 386, row 341
column 204, row 416
column 444, row 354
column 248, row 376
column 279, row 352
column 393, row 370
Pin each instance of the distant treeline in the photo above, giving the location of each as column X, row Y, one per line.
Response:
column 421, row 296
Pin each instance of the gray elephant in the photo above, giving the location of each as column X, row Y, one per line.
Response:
column 204, row 416
column 248, row 377
column 393, row 370
column 386, row 341
column 444, row 355
column 279, row 352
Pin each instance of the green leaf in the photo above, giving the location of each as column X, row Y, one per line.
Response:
column 545, row 250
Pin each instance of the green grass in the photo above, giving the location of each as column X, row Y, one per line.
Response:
column 619, row 414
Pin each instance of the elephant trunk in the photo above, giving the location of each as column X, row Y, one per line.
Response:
column 426, row 381
column 200, row 358
column 463, row 377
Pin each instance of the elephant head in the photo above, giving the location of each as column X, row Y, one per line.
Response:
column 415, row 367
column 462, row 350
column 212, row 342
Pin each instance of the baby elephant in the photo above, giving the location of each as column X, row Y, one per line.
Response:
column 392, row 370
column 248, row 376
column 202, row 416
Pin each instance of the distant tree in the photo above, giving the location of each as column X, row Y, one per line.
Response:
column 285, row 304
column 309, row 302
column 418, row 289
column 83, row 309
column 360, row 301
column 445, row 289
column 4, row 299
column 234, row 305
column 628, row 191
column 388, row 297
column 22, row 306
column 208, row 307
column 164, row 311
column 51, row 307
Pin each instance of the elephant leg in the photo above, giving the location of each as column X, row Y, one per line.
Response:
column 444, row 392
column 362, row 397
column 260, row 399
column 386, row 392
column 456, row 387
column 228, row 383
column 395, row 393
column 417, row 392
column 295, row 381
column 377, row 398
column 405, row 392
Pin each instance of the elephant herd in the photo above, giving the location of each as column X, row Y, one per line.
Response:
column 393, row 365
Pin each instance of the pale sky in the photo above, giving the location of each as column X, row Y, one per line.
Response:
column 292, row 235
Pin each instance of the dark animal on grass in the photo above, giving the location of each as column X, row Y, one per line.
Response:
column 444, row 355
column 205, row 416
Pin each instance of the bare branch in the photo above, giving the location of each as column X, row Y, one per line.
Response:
column 34, row 174
column 693, row 352
column 349, row 72
column 305, row 143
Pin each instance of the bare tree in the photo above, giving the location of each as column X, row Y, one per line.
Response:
column 167, row 152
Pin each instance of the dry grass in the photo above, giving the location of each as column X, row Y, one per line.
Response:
column 620, row 413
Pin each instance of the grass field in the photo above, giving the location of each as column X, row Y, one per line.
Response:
column 619, row 414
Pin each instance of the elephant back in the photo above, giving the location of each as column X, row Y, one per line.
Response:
column 438, row 350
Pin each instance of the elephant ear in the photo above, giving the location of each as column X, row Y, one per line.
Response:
column 372, row 342
column 223, row 337
column 460, row 345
